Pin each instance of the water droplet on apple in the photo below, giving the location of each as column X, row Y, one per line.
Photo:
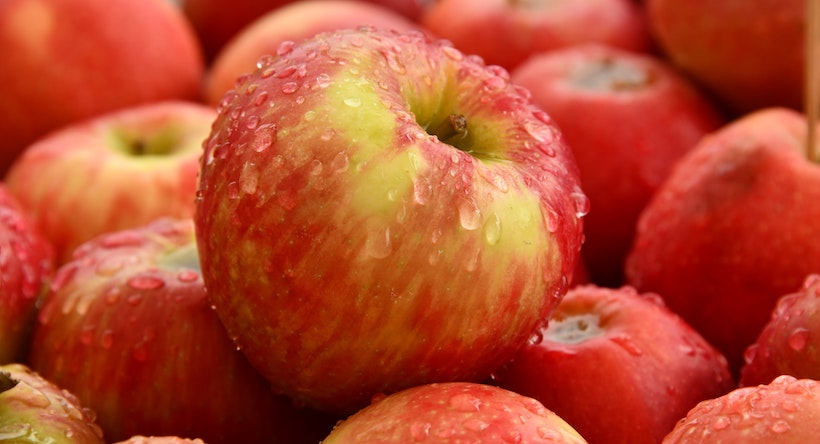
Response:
column 435, row 256
column 285, row 48
column 265, row 61
column 233, row 190
column 353, row 102
column 420, row 430
column 267, row 72
column 492, row 229
column 512, row 437
column 260, row 98
column 290, row 87
column 422, row 190
column 721, row 422
column 465, row 402
column 477, row 425
column 252, row 122
column 340, row 163
column 536, row 338
column 112, row 295
column 452, row 53
column 469, row 215
column 780, row 426
column 309, row 115
column 581, row 201
column 472, row 261
column 263, row 137
column 378, row 244
column 798, row 338
column 145, row 282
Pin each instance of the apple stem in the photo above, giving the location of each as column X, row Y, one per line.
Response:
column 452, row 128
column 7, row 382
column 812, row 97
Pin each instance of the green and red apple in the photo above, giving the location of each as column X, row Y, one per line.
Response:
column 119, row 170
column 389, row 214
column 70, row 60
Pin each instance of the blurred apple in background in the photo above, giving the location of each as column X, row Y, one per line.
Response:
column 749, row 54
column 453, row 413
column 617, row 365
column 70, row 60
column 35, row 410
column 291, row 23
column 119, row 170
column 401, row 215
column 128, row 328
column 628, row 118
column 26, row 265
column 507, row 32
column 733, row 228
column 784, row 411
column 790, row 343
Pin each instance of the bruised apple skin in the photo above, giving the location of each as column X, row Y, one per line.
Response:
column 377, row 210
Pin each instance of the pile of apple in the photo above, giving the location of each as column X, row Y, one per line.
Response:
column 409, row 221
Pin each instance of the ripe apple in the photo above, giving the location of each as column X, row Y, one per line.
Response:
column 628, row 117
column 784, row 411
column 128, row 328
column 26, row 265
column 733, row 228
column 750, row 57
column 119, row 170
column 391, row 213
column 454, row 412
column 506, row 32
column 70, row 60
column 290, row 23
column 788, row 344
column 35, row 410
column 655, row 366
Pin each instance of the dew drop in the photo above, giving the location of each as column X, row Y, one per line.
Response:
column 264, row 61
column 780, row 427
column 581, row 201
column 469, row 215
column 420, row 430
column 492, row 229
column 378, row 244
column 263, row 137
column 285, row 48
column 476, row 425
column 422, row 190
column 290, row 87
column 721, row 423
column 309, row 115
column 145, row 282
column 798, row 338
column 465, row 402
column 252, row 122
column 340, row 162
column 260, row 98
column 353, row 102
column 452, row 53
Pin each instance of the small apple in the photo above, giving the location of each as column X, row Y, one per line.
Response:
column 507, row 32
column 119, row 170
column 26, row 265
column 655, row 366
column 71, row 60
column 288, row 24
column 788, row 344
column 784, row 411
column 628, row 118
column 390, row 213
column 128, row 328
column 452, row 413
column 750, row 57
column 732, row 229
column 35, row 410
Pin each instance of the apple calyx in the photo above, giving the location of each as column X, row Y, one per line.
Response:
column 573, row 329
column 609, row 74
column 7, row 382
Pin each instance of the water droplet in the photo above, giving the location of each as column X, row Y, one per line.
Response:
column 469, row 215
column 263, row 137
column 789, row 406
column 260, row 98
column 780, row 426
column 420, row 430
column 265, row 61
column 465, row 402
column 492, row 229
column 112, row 295
column 581, row 202
column 290, row 87
column 422, row 190
column 340, row 163
column 512, row 437
column 452, row 53
column 233, row 190
column 475, row 425
column 252, row 122
column 353, row 102
column 798, row 338
column 378, row 244
column 721, row 422
column 145, row 282
column 309, row 115
column 285, row 48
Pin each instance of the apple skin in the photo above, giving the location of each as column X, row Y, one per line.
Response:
column 290, row 23
column 787, row 345
column 507, row 32
column 783, row 411
column 76, row 59
column 35, row 410
column 732, row 229
column 628, row 118
column 119, row 170
column 750, row 58
column 26, row 265
column 128, row 328
column 656, row 366
column 454, row 412
column 350, row 252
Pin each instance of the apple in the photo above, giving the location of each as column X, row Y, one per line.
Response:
column 506, row 32
column 454, row 412
column 787, row 345
column 119, row 170
column 287, row 24
column 128, row 328
column 655, row 366
column 392, row 213
column 748, row 57
column 35, row 410
column 628, row 118
column 732, row 229
column 26, row 265
column 70, row 60
column 783, row 411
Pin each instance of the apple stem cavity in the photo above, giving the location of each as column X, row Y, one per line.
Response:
column 453, row 131
column 812, row 99
column 574, row 329
column 7, row 382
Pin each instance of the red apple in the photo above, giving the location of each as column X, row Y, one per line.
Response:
column 290, row 23
column 35, row 410
column 785, row 411
column 788, row 344
column 129, row 329
column 119, row 170
column 749, row 56
column 453, row 413
column 391, row 213
column 617, row 365
column 26, row 265
column 70, row 60
column 507, row 32
column 628, row 118
column 733, row 228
